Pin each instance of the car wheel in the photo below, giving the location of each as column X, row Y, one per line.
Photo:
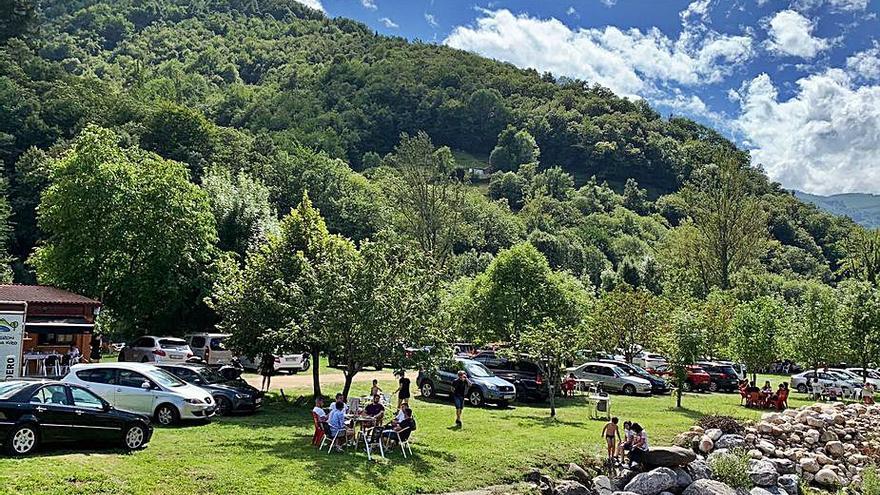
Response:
column 134, row 438
column 713, row 387
column 23, row 440
column 629, row 390
column 802, row 388
column 427, row 389
column 145, row 360
column 686, row 386
column 167, row 415
column 476, row 398
column 305, row 366
column 224, row 407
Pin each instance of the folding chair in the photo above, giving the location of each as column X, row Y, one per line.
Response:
column 372, row 437
column 402, row 440
column 328, row 433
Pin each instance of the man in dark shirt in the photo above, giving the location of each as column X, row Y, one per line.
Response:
column 459, row 389
column 375, row 410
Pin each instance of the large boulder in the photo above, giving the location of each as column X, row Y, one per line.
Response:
column 763, row 473
column 668, row 457
column 579, row 474
column 714, row 433
column 708, row 487
column 570, row 487
column 784, row 466
column 835, row 448
column 706, row 444
column 699, row 470
column 652, row 482
column 790, row 483
column 622, row 479
column 602, row 485
column 809, row 464
column 767, row 490
column 683, row 479
column 686, row 439
column 827, row 478
column 730, row 441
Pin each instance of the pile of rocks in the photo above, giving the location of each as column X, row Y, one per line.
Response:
column 826, row 445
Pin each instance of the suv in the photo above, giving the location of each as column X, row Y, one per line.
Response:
column 150, row 349
column 144, row 389
column 485, row 386
column 524, row 374
column 611, row 378
column 696, row 379
column 209, row 347
column 723, row 377
column 658, row 385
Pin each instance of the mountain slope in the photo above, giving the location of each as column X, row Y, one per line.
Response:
column 863, row 208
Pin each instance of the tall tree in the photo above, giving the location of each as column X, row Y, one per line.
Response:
column 862, row 259
column 814, row 338
column 715, row 321
column 241, row 208
column 626, row 320
column 682, row 344
column 860, row 321
column 126, row 227
column 514, row 148
column 730, row 225
column 758, row 328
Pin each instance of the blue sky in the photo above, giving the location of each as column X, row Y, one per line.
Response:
column 797, row 82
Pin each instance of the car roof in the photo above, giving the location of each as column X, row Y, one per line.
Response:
column 598, row 363
column 207, row 334
column 117, row 365
column 182, row 365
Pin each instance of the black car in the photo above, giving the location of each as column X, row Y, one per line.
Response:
column 37, row 412
column 231, row 396
column 724, row 377
column 658, row 385
column 524, row 374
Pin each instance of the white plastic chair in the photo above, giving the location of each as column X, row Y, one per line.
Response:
column 404, row 444
column 328, row 434
column 370, row 442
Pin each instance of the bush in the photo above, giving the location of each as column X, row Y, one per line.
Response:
column 732, row 468
column 726, row 424
column 870, row 481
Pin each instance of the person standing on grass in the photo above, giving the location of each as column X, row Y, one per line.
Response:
column 459, row 389
column 611, row 434
column 267, row 367
column 402, row 389
column 375, row 390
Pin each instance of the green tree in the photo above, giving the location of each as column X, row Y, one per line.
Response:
column 715, row 321
column 682, row 344
column 126, row 227
column 626, row 320
column 758, row 328
column 554, row 183
column 241, row 209
column 635, row 199
column 6, row 233
column 509, row 186
column 862, row 255
column 514, row 148
column 814, row 338
column 860, row 321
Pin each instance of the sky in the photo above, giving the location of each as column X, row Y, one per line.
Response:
column 796, row 82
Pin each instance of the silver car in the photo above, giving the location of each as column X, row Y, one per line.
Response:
column 611, row 377
column 802, row 382
column 151, row 349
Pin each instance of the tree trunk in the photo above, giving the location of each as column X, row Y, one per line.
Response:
column 678, row 393
column 348, row 379
column 316, row 380
column 552, row 401
column 755, row 377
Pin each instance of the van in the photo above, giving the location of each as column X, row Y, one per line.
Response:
column 210, row 347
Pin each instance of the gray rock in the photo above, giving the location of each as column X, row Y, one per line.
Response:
column 706, row 444
column 622, row 478
column 699, row 470
column 809, row 464
column 714, row 433
column 652, row 482
column 834, row 448
column 708, row 487
column 682, row 479
column 668, row 457
column 570, row 487
column 763, row 473
column 578, row 473
column 784, row 466
column 827, row 478
column 730, row 441
column 790, row 483
column 602, row 485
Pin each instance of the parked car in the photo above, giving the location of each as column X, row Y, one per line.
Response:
column 209, row 347
column 150, row 349
column 738, row 367
column 801, row 381
column 847, row 375
column 526, row 375
column 588, row 356
column 649, row 360
column 723, row 377
column 696, row 379
column 612, row 378
column 145, row 389
column 33, row 413
column 289, row 363
column 463, row 349
column 485, row 388
column 231, row 396
column 658, row 385
column 873, row 375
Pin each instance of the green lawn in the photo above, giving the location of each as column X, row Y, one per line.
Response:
column 270, row 452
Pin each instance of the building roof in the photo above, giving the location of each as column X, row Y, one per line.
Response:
column 42, row 294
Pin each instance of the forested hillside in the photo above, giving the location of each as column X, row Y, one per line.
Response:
column 265, row 101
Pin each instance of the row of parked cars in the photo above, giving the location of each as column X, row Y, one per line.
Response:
column 848, row 381
column 116, row 402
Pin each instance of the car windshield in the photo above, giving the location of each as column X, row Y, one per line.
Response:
column 164, row 378
column 172, row 343
column 619, row 371
column 8, row 389
column 727, row 369
column 479, row 371
column 844, row 375
column 210, row 375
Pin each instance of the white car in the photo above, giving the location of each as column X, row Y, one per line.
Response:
column 611, row 377
column 291, row 363
column 649, row 360
column 210, row 347
column 144, row 389
column 151, row 349
column 844, row 384
column 873, row 375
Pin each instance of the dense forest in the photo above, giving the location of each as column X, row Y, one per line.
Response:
column 161, row 155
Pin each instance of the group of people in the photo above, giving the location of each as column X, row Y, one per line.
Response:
column 631, row 447
column 764, row 396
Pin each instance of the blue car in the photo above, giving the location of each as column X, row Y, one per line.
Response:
column 485, row 386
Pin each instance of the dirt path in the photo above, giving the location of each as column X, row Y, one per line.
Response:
column 329, row 377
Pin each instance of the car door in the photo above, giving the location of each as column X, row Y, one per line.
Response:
column 101, row 381
column 92, row 420
column 130, row 393
column 445, row 377
column 197, row 344
column 55, row 413
column 610, row 379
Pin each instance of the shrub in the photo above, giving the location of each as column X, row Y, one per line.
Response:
column 732, row 468
column 870, row 481
column 726, row 424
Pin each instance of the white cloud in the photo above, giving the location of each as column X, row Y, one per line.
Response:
column 431, row 19
column 630, row 62
column 369, row 4
column 571, row 11
column 824, row 139
column 865, row 64
column 315, row 4
column 835, row 5
column 792, row 34
column 609, row 3
column 388, row 23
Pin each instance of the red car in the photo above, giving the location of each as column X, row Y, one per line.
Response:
column 697, row 378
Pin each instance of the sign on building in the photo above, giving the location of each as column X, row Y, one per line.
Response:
column 12, row 333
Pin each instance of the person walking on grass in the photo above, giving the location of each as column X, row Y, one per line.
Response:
column 460, row 386
column 267, row 367
column 402, row 389
column 611, row 434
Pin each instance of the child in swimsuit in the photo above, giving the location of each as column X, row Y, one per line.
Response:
column 612, row 436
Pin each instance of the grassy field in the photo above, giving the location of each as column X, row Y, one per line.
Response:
column 271, row 453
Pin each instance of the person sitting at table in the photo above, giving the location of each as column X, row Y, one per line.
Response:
column 402, row 428
column 73, row 353
column 568, row 385
column 338, row 426
column 340, row 399
column 375, row 410
column 319, row 409
column 767, row 388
